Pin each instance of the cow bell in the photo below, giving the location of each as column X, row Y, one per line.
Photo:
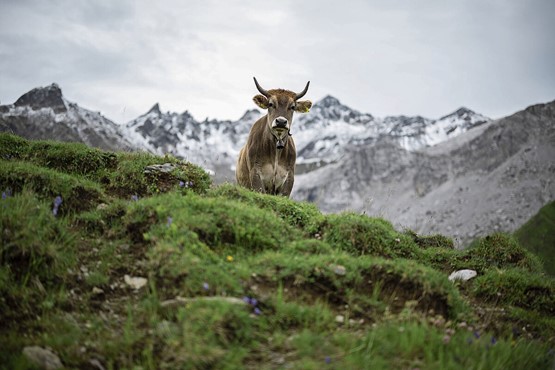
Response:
column 280, row 144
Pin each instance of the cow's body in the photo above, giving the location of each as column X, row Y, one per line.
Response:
column 264, row 168
column 267, row 161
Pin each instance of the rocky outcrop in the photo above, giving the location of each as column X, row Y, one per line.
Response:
column 494, row 177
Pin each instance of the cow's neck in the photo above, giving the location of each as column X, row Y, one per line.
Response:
column 280, row 143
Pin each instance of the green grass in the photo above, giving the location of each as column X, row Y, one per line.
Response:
column 241, row 280
column 538, row 236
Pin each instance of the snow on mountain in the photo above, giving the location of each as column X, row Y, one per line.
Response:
column 43, row 113
column 322, row 136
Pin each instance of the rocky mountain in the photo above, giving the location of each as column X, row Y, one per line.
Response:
column 494, row 177
column 461, row 174
column 43, row 113
column 321, row 136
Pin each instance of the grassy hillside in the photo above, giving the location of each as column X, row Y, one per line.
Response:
column 109, row 266
column 538, row 236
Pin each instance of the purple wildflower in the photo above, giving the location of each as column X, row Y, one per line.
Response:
column 134, row 197
column 493, row 341
column 257, row 311
column 181, row 184
column 253, row 302
column 4, row 195
column 328, row 360
column 205, row 286
column 57, row 203
column 170, row 220
column 476, row 335
column 246, row 299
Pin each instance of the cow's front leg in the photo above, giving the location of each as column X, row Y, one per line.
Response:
column 287, row 185
column 256, row 181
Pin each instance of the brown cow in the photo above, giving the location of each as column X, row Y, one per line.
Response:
column 267, row 161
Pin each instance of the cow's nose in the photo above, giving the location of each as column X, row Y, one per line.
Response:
column 281, row 122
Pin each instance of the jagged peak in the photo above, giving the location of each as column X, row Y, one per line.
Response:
column 43, row 97
column 328, row 101
column 459, row 113
column 155, row 109
column 249, row 114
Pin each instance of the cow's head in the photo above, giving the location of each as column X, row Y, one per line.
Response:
column 280, row 105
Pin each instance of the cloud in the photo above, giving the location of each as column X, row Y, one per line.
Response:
column 396, row 57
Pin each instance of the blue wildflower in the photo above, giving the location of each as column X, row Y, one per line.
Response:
column 476, row 335
column 257, row 311
column 181, row 184
column 57, row 203
column 205, row 286
column 493, row 341
column 247, row 300
column 4, row 196
column 253, row 302
column 134, row 197
column 328, row 360
column 170, row 220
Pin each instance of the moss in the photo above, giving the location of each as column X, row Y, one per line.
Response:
column 502, row 251
column 31, row 263
column 129, row 178
column 517, row 287
column 342, row 279
column 538, row 236
column 299, row 214
column 431, row 241
column 362, row 235
column 77, row 194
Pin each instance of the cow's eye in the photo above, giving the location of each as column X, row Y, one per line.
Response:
column 292, row 107
column 270, row 105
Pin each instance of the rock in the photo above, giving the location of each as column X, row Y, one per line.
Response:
column 101, row 206
column 135, row 282
column 43, row 358
column 166, row 167
column 340, row 319
column 339, row 270
column 97, row 291
column 463, row 275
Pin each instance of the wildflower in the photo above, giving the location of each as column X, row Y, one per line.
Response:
column 57, row 203
column 134, row 197
column 257, row 311
column 229, row 258
column 446, row 339
column 170, row 220
column 476, row 335
column 328, row 360
column 247, row 300
column 4, row 196
column 205, row 286
column 181, row 184
column 493, row 341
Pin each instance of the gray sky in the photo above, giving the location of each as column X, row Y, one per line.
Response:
column 381, row 57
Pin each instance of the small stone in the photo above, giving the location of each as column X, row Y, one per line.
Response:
column 96, row 364
column 340, row 319
column 339, row 270
column 43, row 358
column 101, row 206
column 463, row 275
column 135, row 282
column 97, row 291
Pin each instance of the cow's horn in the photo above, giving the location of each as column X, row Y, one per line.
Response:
column 262, row 91
column 302, row 93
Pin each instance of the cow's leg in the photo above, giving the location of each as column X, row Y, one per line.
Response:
column 287, row 186
column 256, row 182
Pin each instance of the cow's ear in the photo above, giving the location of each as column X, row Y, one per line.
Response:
column 261, row 101
column 303, row 106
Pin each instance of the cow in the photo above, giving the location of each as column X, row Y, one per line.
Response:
column 267, row 161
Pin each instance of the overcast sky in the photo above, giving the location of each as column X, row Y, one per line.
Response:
column 380, row 57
